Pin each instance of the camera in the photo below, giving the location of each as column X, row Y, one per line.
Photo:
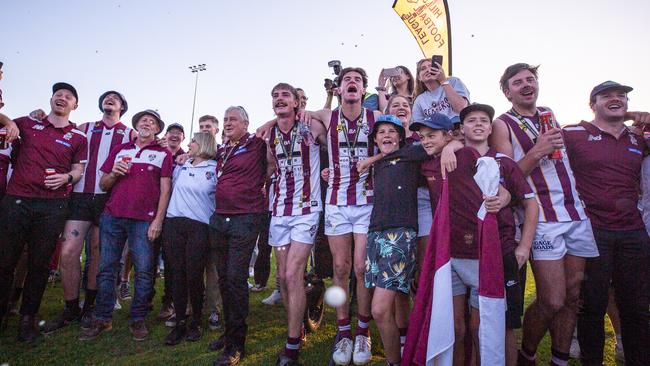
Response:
column 336, row 65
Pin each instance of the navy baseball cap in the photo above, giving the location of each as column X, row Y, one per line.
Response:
column 477, row 107
column 125, row 105
column 177, row 126
column 58, row 86
column 151, row 112
column 436, row 121
column 392, row 119
column 607, row 85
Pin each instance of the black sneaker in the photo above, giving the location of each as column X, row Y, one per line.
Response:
column 177, row 334
column 193, row 331
column 64, row 319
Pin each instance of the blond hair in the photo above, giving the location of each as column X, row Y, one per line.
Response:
column 207, row 145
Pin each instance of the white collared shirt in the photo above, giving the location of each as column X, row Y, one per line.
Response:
column 193, row 191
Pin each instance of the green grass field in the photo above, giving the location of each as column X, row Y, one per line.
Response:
column 265, row 339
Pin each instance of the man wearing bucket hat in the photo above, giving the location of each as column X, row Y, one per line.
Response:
column 86, row 205
column 52, row 155
column 606, row 157
column 138, row 174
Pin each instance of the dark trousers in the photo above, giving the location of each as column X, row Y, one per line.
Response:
column 233, row 239
column 158, row 248
column 623, row 263
column 263, row 261
column 186, row 243
column 36, row 223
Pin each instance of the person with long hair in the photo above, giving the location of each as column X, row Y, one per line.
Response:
column 402, row 85
column 435, row 92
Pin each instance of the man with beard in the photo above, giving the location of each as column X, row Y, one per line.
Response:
column 607, row 159
column 86, row 206
column 52, row 156
column 138, row 174
column 296, row 207
column 564, row 237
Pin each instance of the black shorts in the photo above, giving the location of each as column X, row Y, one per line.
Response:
column 87, row 207
column 515, row 283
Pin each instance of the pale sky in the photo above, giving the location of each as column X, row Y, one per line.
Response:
column 143, row 49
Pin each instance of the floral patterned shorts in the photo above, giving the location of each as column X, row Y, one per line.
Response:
column 390, row 259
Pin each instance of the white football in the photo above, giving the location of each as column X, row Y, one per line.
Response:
column 335, row 296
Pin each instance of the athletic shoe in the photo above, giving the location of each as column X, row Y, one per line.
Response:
column 193, row 331
column 99, row 326
column 87, row 317
column 139, row 330
column 273, row 299
column 166, row 311
column 117, row 305
column 258, row 288
column 62, row 320
column 171, row 322
column 214, row 321
column 362, row 346
column 124, row 292
column 342, row 352
column 176, row 335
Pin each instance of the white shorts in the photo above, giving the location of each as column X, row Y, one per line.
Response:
column 555, row 239
column 341, row 220
column 285, row 229
column 425, row 217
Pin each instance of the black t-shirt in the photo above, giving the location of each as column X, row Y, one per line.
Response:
column 396, row 178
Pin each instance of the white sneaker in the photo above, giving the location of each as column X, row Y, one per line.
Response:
column 362, row 346
column 574, row 351
column 342, row 352
column 273, row 299
column 117, row 305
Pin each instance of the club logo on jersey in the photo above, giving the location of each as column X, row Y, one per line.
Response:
column 365, row 128
column 151, row 157
column 633, row 140
column 68, row 136
column 38, row 127
column 209, row 175
column 119, row 132
column 594, row 138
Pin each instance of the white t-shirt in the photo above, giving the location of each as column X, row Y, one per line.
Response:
column 193, row 191
column 436, row 101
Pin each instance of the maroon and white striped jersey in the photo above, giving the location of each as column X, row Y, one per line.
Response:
column 296, row 190
column 101, row 140
column 552, row 180
column 348, row 143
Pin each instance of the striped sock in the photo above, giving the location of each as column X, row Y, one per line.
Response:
column 363, row 323
column 559, row 358
column 344, row 328
column 292, row 348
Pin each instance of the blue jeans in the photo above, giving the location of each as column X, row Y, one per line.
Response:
column 113, row 233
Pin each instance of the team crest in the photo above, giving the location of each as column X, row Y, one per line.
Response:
column 633, row 140
column 209, row 175
column 67, row 136
column 365, row 128
column 119, row 132
column 38, row 127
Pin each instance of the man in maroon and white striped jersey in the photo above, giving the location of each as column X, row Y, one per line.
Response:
column 348, row 205
column 86, row 205
column 296, row 206
column 564, row 238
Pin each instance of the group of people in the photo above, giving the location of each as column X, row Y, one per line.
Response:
column 402, row 164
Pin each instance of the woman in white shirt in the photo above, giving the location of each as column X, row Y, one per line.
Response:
column 185, row 233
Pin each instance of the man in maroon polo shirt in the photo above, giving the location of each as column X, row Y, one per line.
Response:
column 241, row 172
column 606, row 158
column 52, row 156
column 138, row 175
